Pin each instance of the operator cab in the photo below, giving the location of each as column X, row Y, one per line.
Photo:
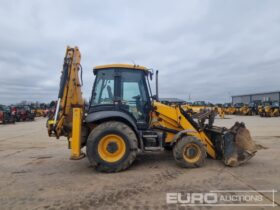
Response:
column 125, row 88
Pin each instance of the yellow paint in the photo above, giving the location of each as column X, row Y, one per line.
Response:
column 76, row 134
column 116, row 155
column 170, row 117
column 127, row 66
column 72, row 94
column 51, row 122
column 169, row 137
column 244, row 110
column 220, row 111
column 39, row 112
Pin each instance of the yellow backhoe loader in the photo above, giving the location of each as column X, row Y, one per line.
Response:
column 238, row 107
column 229, row 109
column 123, row 119
column 220, row 110
column 269, row 109
column 187, row 108
column 253, row 108
column 199, row 106
column 244, row 110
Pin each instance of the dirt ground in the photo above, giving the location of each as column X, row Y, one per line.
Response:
column 36, row 173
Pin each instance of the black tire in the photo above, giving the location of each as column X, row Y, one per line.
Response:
column 111, row 128
column 179, row 152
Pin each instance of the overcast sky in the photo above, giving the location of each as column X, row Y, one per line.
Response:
column 206, row 50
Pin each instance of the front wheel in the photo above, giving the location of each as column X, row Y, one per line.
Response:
column 189, row 152
column 111, row 146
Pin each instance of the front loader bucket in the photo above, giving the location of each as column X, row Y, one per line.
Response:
column 233, row 146
column 238, row 146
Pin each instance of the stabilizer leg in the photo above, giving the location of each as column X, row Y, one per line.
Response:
column 76, row 153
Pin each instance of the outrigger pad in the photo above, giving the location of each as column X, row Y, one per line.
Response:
column 238, row 146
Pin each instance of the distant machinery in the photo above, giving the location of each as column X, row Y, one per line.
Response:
column 256, row 97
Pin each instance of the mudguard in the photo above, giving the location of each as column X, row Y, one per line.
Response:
column 102, row 115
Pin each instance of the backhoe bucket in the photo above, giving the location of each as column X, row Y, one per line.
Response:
column 238, row 146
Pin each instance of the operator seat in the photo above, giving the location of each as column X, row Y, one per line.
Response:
column 110, row 94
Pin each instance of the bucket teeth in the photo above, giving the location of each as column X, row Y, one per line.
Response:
column 232, row 162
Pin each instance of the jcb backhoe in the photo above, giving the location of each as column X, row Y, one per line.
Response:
column 220, row 110
column 123, row 119
column 269, row 109
column 229, row 109
column 199, row 106
column 238, row 107
column 244, row 110
column 253, row 108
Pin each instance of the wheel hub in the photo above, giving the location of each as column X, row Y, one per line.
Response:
column 191, row 152
column 112, row 147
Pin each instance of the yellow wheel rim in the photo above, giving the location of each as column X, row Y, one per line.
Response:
column 111, row 148
column 191, row 153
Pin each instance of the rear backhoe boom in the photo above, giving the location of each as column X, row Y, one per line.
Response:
column 67, row 120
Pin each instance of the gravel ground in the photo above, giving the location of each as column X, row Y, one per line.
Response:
column 36, row 173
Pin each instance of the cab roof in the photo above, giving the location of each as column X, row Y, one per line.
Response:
column 125, row 66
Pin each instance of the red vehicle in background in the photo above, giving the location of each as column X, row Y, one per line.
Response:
column 24, row 113
column 13, row 110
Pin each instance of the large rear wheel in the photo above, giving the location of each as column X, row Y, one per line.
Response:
column 189, row 152
column 112, row 146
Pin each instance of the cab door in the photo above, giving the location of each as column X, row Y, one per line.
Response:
column 134, row 94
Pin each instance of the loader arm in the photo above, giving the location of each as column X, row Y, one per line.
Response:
column 69, row 96
column 172, row 119
column 234, row 146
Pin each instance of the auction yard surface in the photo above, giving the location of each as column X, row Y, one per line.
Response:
column 36, row 173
